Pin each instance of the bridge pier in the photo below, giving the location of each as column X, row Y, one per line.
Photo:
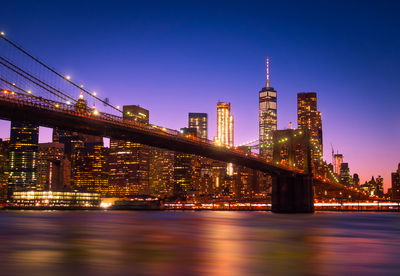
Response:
column 292, row 194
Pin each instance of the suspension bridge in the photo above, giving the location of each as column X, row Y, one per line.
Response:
column 33, row 92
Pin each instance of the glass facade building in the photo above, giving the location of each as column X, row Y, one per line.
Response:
column 199, row 122
column 309, row 118
column 267, row 121
column 129, row 161
column 23, row 157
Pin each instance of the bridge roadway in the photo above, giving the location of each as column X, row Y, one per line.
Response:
column 291, row 189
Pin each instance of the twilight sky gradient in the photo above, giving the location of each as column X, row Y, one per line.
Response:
column 175, row 57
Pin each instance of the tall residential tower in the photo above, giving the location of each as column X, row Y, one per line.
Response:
column 224, row 125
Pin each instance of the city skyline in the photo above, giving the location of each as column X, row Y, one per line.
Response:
column 373, row 153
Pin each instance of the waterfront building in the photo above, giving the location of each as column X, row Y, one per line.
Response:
column 309, row 118
column 290, row 148
column 129, row 161
column 224, row 125
column 60, row 199
column 23, row 157
column 396, row 184
column 267, row 118
column 4, row 148
column 199, row 121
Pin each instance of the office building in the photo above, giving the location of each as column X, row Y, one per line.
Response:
column 23, row 157
column 309, row 118
column 199, row 122
column 89, row 167
column 50, row 168
column 267, row 118
column 345, row 177
column 129, row 161
column 161, row 172
column 4, row 148
column 337, row 158
column 356, row 180
column 396, row 184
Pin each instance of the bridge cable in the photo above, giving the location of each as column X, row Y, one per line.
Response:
column 33, row 81
column 61, row 76
column 58, row 91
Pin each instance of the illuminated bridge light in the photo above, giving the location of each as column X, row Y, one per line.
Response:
column 68, row 77
column 2, row 33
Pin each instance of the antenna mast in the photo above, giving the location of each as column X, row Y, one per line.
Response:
column 267, row 63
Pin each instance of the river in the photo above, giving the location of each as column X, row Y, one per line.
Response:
column 198, row 243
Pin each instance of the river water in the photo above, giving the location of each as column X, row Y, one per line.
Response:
column 198, row 243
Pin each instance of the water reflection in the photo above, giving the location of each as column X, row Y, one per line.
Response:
column 198, row 243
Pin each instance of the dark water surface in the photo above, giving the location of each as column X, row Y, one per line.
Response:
column 198, row 243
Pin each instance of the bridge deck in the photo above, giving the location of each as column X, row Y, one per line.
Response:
column 28, row 108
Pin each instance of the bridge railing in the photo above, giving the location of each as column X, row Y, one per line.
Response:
column 92, row 113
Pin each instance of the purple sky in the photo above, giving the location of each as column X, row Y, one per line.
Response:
column 175, row 57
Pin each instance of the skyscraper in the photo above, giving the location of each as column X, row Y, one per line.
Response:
column 337, row 158
column 23, row 156
column 396, row 184
column 199, row 121
column 4, row 147
column 309, row 118
column 129, row 161
column 267, row 118
column 224, row 125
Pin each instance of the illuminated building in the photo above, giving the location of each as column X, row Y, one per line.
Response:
column 373, row 187
column 54, row 199
column 337, row 163
column 199, row 122
column 379, row 186
column 129, row 161
column 356, row 180
column 88, row 167
column 191, row 131
column 225, row 129
column 161, row 172
column 290, row 148
column 245, row 183
column 345, row 177
column 224, row 125
column 4, row 147
column 183, row 173
column 50, row 168
column 23, row 157
column 309, row 118
column 267, row 118
column 396, row 184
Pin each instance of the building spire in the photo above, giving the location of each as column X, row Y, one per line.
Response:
column 267, row 64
